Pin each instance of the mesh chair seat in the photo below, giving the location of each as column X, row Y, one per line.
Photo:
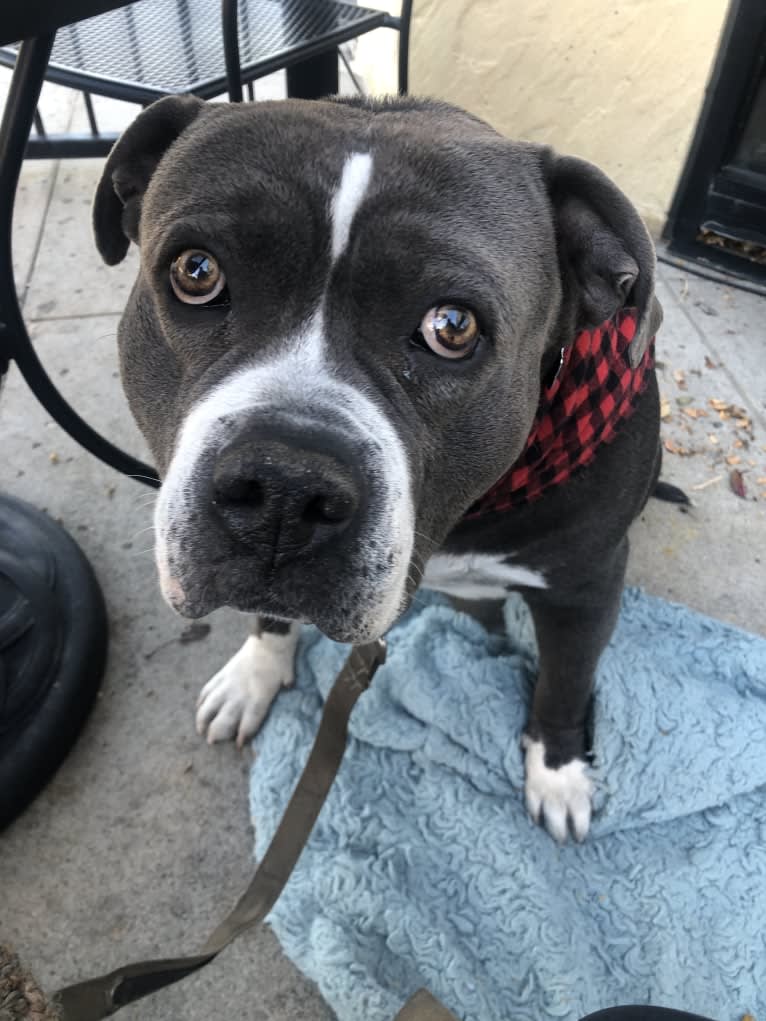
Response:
column 147, row 50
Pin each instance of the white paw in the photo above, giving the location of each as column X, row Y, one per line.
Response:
column 557, row 797
column 235, row 702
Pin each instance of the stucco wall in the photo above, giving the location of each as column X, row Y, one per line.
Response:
column 619, row 82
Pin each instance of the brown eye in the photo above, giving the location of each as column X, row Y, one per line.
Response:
column 196, row 277
column 450, row 331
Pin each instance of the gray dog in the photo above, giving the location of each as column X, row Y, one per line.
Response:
column 374, row 345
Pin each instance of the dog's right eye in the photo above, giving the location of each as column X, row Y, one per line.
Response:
column 449, row 331
column 196, row 277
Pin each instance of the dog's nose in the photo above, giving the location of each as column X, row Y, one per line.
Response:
column 278, row 494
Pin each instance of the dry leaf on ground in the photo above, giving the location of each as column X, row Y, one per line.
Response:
column 675, row 448
column 737, row 483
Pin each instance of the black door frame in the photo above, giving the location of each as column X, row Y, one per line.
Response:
column 709, row 189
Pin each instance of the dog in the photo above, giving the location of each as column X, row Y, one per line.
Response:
column 375, row 345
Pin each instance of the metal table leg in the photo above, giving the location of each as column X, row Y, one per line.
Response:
column 14, row 340
column 314, row 78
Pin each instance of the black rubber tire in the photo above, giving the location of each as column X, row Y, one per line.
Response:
column 53, row 645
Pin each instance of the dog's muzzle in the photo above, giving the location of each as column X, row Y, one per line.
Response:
column 290, row 515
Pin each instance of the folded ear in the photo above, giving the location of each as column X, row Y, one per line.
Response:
column 607, row 257
column 131, row 163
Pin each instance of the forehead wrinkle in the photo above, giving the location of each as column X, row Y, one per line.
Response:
column 218, row 206
column 169, row 232
column 184, row 192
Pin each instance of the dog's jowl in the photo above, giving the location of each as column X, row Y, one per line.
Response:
column 374, row 345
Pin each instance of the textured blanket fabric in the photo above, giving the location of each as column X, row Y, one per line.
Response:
column 425, row 870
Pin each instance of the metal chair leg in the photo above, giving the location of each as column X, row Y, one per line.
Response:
column 230, row 29
column 314, row 77
column 405, row 18
column 92, row 122
column 15, row 344
column 350, row 71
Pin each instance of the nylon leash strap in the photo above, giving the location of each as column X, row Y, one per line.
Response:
column 100, row 997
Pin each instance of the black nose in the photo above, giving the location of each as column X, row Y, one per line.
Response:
column 276, row 493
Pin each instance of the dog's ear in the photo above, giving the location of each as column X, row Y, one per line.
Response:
column 131, row 163
column 607, row 257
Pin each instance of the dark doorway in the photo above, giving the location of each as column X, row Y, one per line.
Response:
column 719, row 211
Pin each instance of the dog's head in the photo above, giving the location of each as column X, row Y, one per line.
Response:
column 338, row 334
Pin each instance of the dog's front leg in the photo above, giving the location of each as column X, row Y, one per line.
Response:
column 236, row 700
column 573, row 626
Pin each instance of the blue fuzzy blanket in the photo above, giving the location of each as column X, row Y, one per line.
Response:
column 425, row 870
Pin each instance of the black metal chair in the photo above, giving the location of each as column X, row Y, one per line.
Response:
column 143, row 51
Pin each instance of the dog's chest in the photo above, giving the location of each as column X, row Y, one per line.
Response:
column 478, row 575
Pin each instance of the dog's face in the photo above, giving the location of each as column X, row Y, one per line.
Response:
column 336, row 341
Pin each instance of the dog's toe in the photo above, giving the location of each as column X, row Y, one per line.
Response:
column 251, row 718
column 558, row 798
column 219, row 714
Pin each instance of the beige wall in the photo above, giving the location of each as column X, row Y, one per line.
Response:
column 619, row 82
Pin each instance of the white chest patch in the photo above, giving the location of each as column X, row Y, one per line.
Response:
column 353, row 186
column 477, row 575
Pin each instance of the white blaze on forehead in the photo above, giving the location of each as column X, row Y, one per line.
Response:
column 354, row 182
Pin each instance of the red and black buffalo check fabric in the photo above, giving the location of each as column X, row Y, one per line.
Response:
column 595, row 390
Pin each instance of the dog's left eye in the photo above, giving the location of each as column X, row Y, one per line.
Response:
column 196, row 277
column 449, row 331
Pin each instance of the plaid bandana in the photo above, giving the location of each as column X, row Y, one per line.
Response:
column 594, row 390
